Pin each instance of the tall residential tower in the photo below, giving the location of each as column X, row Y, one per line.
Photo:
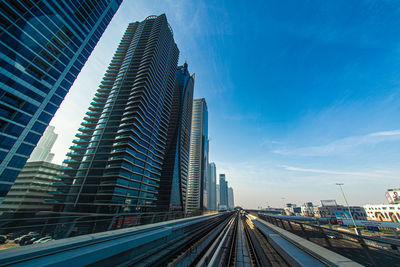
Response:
column 43, row 47
column 116, row 161
column 198, row 158
column 212, row 186
column 173, row 183
column 223, row 192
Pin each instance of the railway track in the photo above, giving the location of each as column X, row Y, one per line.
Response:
column 243, row 241
column 225, row 239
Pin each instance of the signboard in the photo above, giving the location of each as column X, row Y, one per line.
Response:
column 342, row 215
column 371, row 223
column 393, row 196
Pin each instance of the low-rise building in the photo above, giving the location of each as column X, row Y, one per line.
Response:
column 31, row 188
column 292, row 209
column 329, row 210
column 384, row 212
column 307, row 209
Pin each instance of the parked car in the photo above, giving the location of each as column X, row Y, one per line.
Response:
column 27, row 237
column 17, row 240
column 3, row 239
column 30, row 241
column 41, row 240
column 47, row 240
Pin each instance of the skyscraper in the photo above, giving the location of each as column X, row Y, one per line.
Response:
column 231, row 200
column 115, row 163
column 43, row 46
column 223, row 192
column 198, row 157
column 42, row 151
column 212, row 195
column 173, row 183
column 218, row 196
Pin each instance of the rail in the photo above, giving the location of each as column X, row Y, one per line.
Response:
column 366, row 250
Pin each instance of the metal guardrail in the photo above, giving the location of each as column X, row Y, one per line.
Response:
column 49, row 223
column 371, row 246
column 116, row 247
column 296, row 250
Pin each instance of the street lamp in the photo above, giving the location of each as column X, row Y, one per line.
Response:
column 348, row 207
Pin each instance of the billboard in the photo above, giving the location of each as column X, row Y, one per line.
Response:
column 342, row 215
column 393, row 196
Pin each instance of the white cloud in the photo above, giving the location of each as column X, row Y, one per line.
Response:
column 333, row 172
column 343, row 145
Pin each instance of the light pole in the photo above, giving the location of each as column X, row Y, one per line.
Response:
column 348, row 207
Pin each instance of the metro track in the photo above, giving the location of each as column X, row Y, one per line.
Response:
column 223, row 239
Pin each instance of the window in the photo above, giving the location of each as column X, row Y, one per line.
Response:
column 32, row 138
column 17, row 162
column 25, row 149
column 6, row 142
column 13, row 129
column 12, row 100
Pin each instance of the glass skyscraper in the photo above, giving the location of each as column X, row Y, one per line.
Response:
column 196, row 199
column 115, row 163
column 223, row 192
column 173, row 184
column 212, row 183
column 43, row 47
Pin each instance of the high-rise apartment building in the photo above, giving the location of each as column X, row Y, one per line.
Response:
column 31, row 189
column 218, row 195
column 173, row 183
column 43, row 46
column 231, row 200
column 212, row 186
column 198, row 158
column 116, row 161
column 223, row 192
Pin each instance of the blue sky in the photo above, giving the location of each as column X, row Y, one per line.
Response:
column 301, row 94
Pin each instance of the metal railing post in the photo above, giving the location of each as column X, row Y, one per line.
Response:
column 304, row 231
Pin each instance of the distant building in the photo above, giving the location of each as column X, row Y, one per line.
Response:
column 292, row 209
column 196, row 199
column 389, row 212
column 31, row 188
column 231, row 200
column 44, row 45
column 223, row 192
column 386, row 213
column 35, row 181
column 212, row 178
column 217, row 195
column 307, row 209
column 42, row 152
column 357, row 212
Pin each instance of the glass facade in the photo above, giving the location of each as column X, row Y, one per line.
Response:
column 212, row 191
column 173, row 184
column 197, row 194
column 223, row 192
column 43, row 46
column 115, row 163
